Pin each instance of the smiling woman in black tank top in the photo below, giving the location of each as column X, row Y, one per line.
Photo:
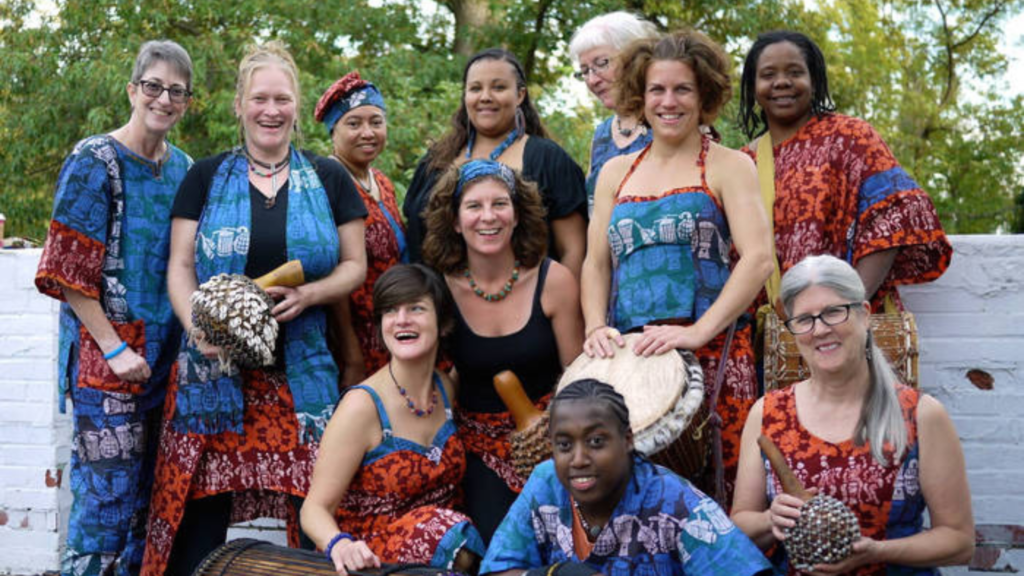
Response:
column 516, row 310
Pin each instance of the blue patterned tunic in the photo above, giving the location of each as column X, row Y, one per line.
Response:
column 662, row 526
column 602, row 149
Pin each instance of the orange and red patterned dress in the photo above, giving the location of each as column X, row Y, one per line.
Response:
column 385, row 247
column 400, row 502
column 839, row 190
column 887, row 500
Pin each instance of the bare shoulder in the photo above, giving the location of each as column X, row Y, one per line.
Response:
column 727, row 158
column 615, row 169
column 931, row 412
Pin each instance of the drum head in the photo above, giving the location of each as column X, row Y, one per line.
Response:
column 662, row 392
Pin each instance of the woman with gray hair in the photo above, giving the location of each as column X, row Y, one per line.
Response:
column 595, row 49
column 852, row 431
column 106, row 258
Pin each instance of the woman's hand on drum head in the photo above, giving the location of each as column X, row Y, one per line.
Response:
column 601, row 342
column 783, row 512
column 658, row 339
column 129, row 366
column 353, row 555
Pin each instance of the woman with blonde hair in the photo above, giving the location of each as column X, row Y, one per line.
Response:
column 241, row 445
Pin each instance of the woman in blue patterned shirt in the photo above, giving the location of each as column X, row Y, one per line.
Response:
column 598, row 507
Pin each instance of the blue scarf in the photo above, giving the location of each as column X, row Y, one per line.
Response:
column 210, row 401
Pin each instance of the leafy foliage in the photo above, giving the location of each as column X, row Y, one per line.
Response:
column 902, row 64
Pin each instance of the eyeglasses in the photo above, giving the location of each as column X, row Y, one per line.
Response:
column 597, row 66
column 152, row 89
column 830, row 316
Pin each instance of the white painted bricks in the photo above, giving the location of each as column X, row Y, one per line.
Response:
column 971, row 318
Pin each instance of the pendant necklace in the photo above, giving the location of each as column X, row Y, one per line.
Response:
column 417, row 412
column 640, row 129
column 274, row 168
column 592, row 531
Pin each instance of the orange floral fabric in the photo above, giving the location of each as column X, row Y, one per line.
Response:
column 844, row 471
column 738, row 395
column 70, row 260
column 94, row 371
column 487, row 435
column 382, row 252
column 267, row 458
column 839, row 190
column 401, row 500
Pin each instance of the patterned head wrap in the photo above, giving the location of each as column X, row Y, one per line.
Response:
column 477, row 169
column 350, row 91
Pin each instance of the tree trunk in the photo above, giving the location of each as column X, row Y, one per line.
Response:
column 470, row 15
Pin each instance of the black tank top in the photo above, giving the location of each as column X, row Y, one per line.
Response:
column 531, row 353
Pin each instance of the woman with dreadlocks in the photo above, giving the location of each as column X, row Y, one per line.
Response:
column 599, row 507
column 838, row 189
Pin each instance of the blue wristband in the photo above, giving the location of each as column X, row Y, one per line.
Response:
column 110, row 355
column 337, row 538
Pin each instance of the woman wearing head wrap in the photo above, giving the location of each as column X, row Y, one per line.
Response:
column 515, row 310
column 353, row 112
column 241, row 444
column 106, row 257
column 496, row 120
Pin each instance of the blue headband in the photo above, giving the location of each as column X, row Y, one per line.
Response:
column 477, row 169
column 367, row 95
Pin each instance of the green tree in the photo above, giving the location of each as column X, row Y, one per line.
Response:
column 901, row 64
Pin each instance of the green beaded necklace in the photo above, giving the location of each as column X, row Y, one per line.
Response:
column 500, row 294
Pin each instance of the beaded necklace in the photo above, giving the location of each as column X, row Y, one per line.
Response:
column 417, row 412
column 500, row 294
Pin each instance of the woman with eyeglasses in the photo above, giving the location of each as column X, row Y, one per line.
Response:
column 106, row 258
column 496, row 121
column 595, row 47
column 854, row 432
column 240, row 444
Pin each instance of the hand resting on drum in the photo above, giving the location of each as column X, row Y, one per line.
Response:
column 353, row 555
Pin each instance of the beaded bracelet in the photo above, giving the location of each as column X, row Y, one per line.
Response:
column 337, row 538
column 121, row 348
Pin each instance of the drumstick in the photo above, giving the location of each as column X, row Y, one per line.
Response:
column 288, row 274
column 790, row 484
column 508, row 386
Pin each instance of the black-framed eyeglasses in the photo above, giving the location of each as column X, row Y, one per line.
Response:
column 830, row 316
column 598, row 65
column 152, row 89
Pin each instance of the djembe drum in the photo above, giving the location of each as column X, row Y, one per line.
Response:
column 665, row 397
column 664, row 394
column 826, row 529
column 895, row 335
column 249, row 557
column 233, row 312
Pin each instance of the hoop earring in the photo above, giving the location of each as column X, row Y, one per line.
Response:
column 520, row 120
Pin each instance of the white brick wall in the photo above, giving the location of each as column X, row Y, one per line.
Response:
column 34, row 437
column 972, row 318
